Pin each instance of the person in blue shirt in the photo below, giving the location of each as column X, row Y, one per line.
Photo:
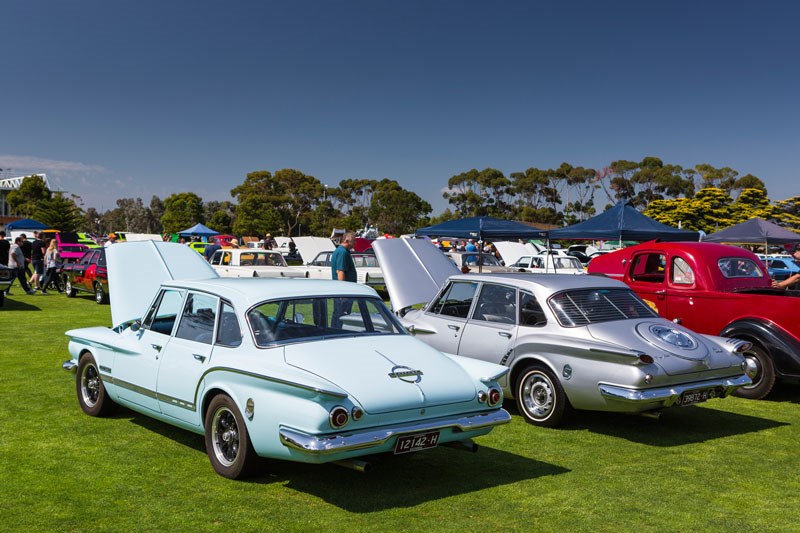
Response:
column 212, row 247
column 342, row 266
column 471, row 259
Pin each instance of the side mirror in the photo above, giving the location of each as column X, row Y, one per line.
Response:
column 136, row 325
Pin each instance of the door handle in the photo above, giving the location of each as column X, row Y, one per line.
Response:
column 505, row 334
column 454, row 327
column 156, row 347
column 201, row 358
column 661, row 294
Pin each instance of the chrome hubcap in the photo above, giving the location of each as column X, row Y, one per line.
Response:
column 753, row 370
column 225, row 436
column 90, row 385
column 537, row 396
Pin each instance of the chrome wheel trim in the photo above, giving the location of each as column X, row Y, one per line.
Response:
column 538, row 396
column 754, row 369
column 225, row 436
column 98, row 293
column 69, row 285
column 90, row 385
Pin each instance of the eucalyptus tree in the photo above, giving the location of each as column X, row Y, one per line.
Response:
column 181, row 211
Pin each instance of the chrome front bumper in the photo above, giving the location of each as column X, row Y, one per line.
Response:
column 669, row 396
column 70, row 366
column 371, row 438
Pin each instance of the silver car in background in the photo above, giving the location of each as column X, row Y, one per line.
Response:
column 571, row 342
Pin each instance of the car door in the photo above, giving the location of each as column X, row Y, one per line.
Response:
column 448, row 315
column 79, row 270
column 136, row 371
column 647, row 276
column 187, row 356
column 320, row 267
column 491, row 330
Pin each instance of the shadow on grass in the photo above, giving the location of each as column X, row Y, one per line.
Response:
column 20, row 302
column 677, row 426
column 394, row 481
column 784, row 392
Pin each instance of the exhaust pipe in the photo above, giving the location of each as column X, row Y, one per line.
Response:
column 355, row 464
column 465, row 445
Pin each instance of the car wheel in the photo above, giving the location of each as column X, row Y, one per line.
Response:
column 540, row 397
column 69, row 290
column 761, row 370
column 92, row 394
column 227, row 441
column 99, row 294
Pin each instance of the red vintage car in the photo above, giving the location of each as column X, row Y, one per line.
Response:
column 720, row 290
column 89, row 274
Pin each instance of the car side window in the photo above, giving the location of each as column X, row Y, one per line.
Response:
column 163, row 314
column 216, row 259
column 229, row 333
column 456, row 299
column 648, row 268
column 530, row 312
column 198, row 318
column 682, row 273
column 226, row 258
column 496, row 303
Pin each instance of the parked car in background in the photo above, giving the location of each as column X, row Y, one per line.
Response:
column 781, row 267
column 88, row 274
column 719, row 290
column 87, row 240
column 582, row 342
column 548, row 263
column 475, row 261
column 252, row 263
column 311, row 371
column 198, row 246
column 69, row 248
column 7, row 277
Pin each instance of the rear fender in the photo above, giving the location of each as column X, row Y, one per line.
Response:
column 781, row 346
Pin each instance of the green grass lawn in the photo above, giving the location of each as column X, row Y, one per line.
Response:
column 727, row 465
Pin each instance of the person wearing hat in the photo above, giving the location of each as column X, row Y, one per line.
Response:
column 234, row 243
column 793, row 279
column 112, row 238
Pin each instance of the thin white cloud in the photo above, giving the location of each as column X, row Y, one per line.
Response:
column 24, row 163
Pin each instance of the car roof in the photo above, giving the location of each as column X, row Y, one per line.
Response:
column 249, row 291
column 551, row 282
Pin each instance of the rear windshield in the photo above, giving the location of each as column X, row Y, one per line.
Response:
column 739, row 267
column 285, row 321
column 593, row 306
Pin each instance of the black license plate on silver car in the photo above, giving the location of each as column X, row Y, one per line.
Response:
column 414, row 443
column 690, row 397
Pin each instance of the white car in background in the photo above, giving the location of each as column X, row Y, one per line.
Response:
column 252, row 263
column 548, row 264
column 368, row 270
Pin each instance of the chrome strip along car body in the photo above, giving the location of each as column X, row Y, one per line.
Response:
column 303, row 370
column 583, row 342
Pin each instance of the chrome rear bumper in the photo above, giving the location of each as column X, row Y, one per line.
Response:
column 371, row 438
column 669, row 396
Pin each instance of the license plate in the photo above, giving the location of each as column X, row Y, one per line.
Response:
column 690, row 397
column 413, row 443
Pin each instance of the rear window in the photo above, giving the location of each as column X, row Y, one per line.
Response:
column 593, row 306
column 739, row 267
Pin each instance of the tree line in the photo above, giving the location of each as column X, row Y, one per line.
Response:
column 289, row 202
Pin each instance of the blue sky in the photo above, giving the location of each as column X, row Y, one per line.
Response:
column 134, row 98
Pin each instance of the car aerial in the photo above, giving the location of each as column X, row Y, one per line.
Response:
column 252, row 263
column 308, row 371
column 570, row 342
column 781, row 267
column 88, row 274
column 719, row 290
column 7, row 277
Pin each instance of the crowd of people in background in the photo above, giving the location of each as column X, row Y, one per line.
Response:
column 34, row 262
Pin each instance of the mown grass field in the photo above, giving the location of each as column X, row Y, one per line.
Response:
column 727, row 465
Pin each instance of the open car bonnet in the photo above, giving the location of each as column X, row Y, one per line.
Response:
column 413, row 270
column 310, row 247
column 512, row 251
column 386, row 373
column 136, row 270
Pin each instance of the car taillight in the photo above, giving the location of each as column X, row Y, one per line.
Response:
column 494, row 397
column 356, row 413
column 339, row 417
column 646, row 359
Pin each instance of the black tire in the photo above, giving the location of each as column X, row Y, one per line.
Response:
column 2, row 297
column 99, row 294
column 92, row 396
column 762, row 372
column 227, row 442
column 540, row 397
column 69, row 290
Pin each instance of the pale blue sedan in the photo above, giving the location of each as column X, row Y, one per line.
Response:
column 302, row 370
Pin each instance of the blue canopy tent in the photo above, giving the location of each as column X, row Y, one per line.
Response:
column 199, row 230
column 25, row 223
column 754, row 231
column 622, row 222
column 482, row 228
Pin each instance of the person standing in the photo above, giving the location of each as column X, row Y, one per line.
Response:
column 37, row 260
column 51, row 259
column 26, row 247
column 793, row 279
column 5, row 246
column 112, row 238
column 212, row 247
column 16, row 260
column 342, row 266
